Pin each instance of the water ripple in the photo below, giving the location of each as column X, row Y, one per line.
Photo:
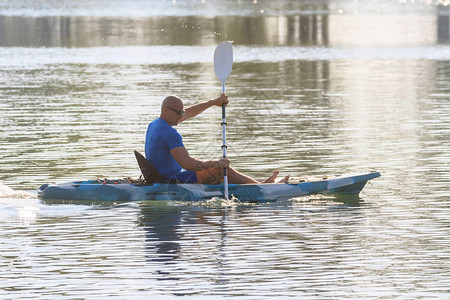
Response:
column 161, row 55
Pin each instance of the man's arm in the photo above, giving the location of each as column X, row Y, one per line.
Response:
column 198, row 108
column 187, row 162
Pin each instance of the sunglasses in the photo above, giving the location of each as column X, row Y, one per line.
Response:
column 179, row 112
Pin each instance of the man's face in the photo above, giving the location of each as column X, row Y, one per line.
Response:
column 175, row 112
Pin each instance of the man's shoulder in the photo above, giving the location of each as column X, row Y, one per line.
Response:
column 157, row 121
column 159, row 124
column 161, row 128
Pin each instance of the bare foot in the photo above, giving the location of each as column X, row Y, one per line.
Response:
column 285, row 179
column 272, row 178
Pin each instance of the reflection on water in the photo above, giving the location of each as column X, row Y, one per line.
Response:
column 318, row 87
column 443, row 25
column 315, row 28
column 16, row 31
column 161, row 223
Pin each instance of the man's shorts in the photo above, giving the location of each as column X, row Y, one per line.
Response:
column 186, row 176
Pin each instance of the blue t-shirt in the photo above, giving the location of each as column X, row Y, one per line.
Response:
column 159, row 140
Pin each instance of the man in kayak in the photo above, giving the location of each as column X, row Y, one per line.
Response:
column 165, row 150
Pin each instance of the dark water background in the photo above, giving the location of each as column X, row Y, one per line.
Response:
column 318, row 87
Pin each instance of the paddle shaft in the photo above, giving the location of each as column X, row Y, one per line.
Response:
column 224, row 145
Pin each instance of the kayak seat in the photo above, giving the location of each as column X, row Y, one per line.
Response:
column 150, row 173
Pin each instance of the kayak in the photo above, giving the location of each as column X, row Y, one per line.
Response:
column 129, row 190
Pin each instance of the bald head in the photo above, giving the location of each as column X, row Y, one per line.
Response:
column 171, row 101
column 172, row 110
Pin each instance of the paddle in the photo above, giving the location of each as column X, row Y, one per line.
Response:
column 223, row 63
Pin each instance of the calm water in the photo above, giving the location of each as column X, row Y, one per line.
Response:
column 318, row 87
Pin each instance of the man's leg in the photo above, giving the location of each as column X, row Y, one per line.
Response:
column 215, row 176
column 210, row 176
column 239, row 178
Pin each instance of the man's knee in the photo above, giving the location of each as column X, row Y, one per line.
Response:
column 210, row 176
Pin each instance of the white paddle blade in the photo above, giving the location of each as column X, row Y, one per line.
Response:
column 223, row 60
